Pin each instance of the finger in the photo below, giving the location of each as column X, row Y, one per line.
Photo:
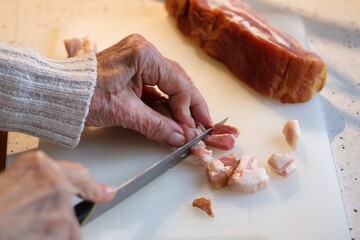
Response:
column 185, row 101
column 199, row 108
column 172, row 80
column 74, row 231
column 153, row 124
column 86, row 187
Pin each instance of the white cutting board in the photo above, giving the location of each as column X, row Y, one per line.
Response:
column 306, row 205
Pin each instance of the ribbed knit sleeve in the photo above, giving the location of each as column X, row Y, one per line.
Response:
column 45, row 98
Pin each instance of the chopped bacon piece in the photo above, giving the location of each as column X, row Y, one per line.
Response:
column 291, row 132
column 221, row 141
column 200, row 155
column 76, row 46
column 217, row 174
column 221, row 129
column 230, row 160
column 219, row 170
column 248, row 177
column 203, row 204
column 282, row 164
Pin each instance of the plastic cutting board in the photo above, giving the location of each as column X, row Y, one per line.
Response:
column 306, row 205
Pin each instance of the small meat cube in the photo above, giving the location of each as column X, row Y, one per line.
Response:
column 249, row 180
column 230, row 160
column 200, row 155
column 76, row 46
column 222, row 129
column 218, row 174
column 282, row 164
column 72, row 46
column 221, row 141
column 247, row 161
column 203, row 204
column 291, row 131
column 248, row 177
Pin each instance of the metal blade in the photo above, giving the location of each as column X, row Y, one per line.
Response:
column 87, row 211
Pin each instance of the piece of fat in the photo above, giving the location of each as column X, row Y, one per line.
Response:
column 291, row 131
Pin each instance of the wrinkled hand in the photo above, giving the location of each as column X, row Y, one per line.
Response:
column 127, row 72
column 35, row 197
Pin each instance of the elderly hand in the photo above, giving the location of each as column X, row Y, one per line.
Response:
column 35, row 197
column 126, row 72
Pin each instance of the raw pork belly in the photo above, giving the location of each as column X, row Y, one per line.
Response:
column 224, row 141
column 200, row 155
column 248, row 177
column 217, row 174
column 271, row 62
column 282, row 164
column 219, row 170
column 222, row 137
column 76, row 46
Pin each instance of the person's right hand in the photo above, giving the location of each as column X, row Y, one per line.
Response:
column 35, row 197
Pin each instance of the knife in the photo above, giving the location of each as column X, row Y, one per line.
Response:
column 86, row 211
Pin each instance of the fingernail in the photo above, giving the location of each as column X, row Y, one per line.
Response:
column 110, row 190
column 176, row 139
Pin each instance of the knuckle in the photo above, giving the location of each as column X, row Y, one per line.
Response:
column 59, row 186
column 83, row 172
column 136, row 37
column 31, row 159
column 143, row 48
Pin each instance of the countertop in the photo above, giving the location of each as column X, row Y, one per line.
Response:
column 333, row 32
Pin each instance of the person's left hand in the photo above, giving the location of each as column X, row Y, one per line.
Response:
column 127, row 71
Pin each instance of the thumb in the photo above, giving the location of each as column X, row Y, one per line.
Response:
column 156, row 126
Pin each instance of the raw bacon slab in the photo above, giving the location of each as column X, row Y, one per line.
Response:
column 269, row 61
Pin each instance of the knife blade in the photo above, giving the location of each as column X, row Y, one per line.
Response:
column 86, row 211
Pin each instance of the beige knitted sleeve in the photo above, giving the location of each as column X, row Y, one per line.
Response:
column 45, row 98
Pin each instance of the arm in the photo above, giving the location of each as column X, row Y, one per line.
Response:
column 51, row 99
column 45, row 98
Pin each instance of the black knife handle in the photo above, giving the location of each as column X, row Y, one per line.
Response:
column 82, row 210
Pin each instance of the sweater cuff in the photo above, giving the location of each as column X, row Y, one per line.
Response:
column 46, row 98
